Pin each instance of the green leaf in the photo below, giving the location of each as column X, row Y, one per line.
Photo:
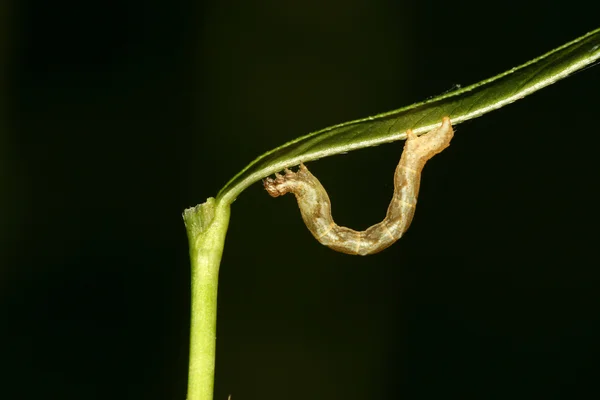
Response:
column 461, row 105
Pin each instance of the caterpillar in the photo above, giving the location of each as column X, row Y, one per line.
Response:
column 315, row 205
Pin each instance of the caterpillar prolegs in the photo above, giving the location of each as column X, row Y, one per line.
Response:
column 315, row 205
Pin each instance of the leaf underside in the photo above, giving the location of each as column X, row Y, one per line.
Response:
column 461, row 105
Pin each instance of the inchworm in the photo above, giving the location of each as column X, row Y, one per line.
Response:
column 315, row 205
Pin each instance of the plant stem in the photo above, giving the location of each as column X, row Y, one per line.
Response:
column 206, row 226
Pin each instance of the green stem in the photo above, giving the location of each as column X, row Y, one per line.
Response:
column 206, row 226
column 207, row 223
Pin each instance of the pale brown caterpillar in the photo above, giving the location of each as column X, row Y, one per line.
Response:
column 315, row 205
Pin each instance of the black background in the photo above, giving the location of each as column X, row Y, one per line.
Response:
column 117, row 115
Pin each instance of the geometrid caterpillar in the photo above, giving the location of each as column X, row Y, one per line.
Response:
column 315, row 205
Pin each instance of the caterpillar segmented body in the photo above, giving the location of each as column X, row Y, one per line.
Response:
column 315, row 205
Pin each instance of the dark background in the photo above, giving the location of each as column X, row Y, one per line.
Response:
column 117, row 115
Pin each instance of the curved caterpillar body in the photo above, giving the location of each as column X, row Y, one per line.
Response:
column 315, row 205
